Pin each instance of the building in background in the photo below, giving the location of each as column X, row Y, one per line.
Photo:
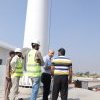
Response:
column 4, row 51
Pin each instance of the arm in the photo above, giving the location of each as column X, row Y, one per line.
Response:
column 13, row 63
column 8, row 68
column 39, row 58
column 52, row 70
column 70, row 74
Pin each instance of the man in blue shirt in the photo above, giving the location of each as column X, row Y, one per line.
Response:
column 46, row 75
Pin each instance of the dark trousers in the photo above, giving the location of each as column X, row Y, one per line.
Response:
column 46, row 80
column 60, row 85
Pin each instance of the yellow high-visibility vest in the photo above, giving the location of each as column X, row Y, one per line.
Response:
column 33, row 68
column 19, row 69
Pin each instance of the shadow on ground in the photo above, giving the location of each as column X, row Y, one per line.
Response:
column 73, row 99
column 50, row 99
column 26, row 98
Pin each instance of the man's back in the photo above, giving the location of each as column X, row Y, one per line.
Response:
column 61, row 64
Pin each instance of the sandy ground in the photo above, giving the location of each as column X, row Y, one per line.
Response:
column 74, row 94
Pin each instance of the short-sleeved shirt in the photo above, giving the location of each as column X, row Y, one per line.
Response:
column 61, row 68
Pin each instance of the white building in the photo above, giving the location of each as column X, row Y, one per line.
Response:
column 4, row 51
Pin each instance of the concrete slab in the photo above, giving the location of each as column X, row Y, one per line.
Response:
column 83, row 94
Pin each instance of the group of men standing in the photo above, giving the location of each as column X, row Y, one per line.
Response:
column 61, row 74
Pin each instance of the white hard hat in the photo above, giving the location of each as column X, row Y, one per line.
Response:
column 36, row 42
column 17, row 50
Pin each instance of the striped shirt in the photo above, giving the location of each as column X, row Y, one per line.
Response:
column 62, row 65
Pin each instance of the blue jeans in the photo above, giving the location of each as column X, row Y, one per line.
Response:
column 35, row 87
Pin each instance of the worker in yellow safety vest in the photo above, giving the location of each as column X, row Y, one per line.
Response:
column 34, row 62
column 16, row 72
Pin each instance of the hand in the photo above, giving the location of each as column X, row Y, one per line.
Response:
column 8, row 78
column 38, row 61
column 49, row 67
column 12, row 70
column 52, row 67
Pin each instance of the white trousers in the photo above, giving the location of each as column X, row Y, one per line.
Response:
column 14, row 89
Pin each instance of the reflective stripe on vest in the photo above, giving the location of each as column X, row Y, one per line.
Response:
column 19, row 69
column 33, row 68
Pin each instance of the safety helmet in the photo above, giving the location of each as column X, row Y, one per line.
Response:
column 17, row 50
column 35, row 42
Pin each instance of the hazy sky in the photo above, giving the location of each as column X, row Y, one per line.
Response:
column 75, row 25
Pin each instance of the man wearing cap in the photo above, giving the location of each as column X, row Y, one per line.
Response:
column 34, row 62
column 16, row 72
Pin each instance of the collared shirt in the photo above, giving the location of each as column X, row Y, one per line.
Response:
column 47, row 64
